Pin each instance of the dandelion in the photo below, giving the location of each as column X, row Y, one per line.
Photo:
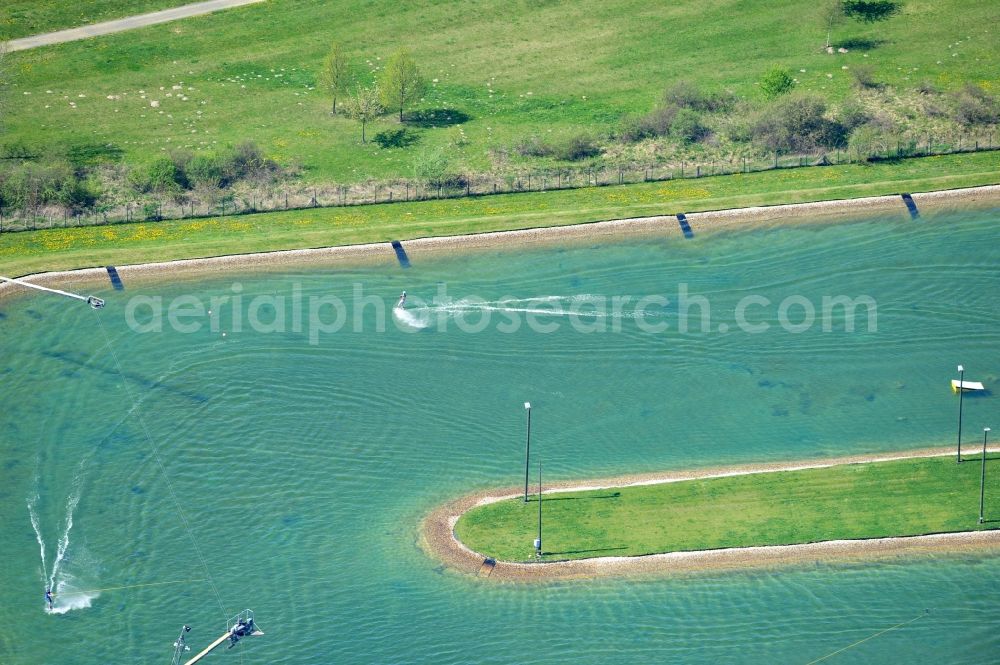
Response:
column 154, row 103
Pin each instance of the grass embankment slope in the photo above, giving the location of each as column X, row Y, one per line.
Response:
column 516, row 69
column 59, row 249
column 879, row 499
column 23, row 18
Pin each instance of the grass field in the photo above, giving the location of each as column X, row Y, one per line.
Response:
column 516, row 69
column 53, row 249
column 899, row 498
column 21, row 18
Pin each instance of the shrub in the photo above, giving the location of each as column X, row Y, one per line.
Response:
column 864, row 77
column 577, row 148
column 685, row 94
column 207, row 171
column 151, row 212
column 687, row 126
column 776, row 82
column 655, row 123
column 248, row 162
column 797, row 123
column 975, row 106
column 17, row 149
column 868, row 141
column 77, row 194
column 432, row 166
column 852, row 114
column 163, row 176
column 32, row 184
column 533, row 147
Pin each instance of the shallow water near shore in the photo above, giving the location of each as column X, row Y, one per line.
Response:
column 304, row 469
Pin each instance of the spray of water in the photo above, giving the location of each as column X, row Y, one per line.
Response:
column 581, row 305
column 60, row 581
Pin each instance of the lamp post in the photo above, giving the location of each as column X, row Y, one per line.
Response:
column 961, row 392
column 527, row 451
column 982, row 478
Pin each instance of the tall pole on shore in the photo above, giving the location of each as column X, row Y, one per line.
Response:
column 527, row 451
column 982, row 479
column 538, row 543
column 961, row 392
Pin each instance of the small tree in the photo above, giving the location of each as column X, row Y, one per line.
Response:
column 400, row 82
column 334, row 78
column 776, row 82
column 364, row 106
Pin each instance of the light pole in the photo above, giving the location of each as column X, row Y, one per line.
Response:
column 982, row 479
column 538, row 541
column 961, row 392
column 527, row 451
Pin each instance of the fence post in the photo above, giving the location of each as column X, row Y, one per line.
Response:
column 775, row 159
column 468, row 183
column 682, row 169
column 697, row 171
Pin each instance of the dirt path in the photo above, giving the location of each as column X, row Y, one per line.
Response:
column 122, row 24
column 438, row 533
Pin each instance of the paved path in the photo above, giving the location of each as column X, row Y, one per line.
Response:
column 122, row 24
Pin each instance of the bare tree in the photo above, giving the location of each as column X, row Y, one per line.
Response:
column 833, row 15
column 334, row 78
column 364, row 106
column 400, row 82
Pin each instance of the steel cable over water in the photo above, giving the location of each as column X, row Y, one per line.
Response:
column 156, row 458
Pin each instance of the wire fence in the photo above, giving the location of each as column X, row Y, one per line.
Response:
column 273, row 198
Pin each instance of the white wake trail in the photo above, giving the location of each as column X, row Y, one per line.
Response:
column 58, row 579
column 33, row 516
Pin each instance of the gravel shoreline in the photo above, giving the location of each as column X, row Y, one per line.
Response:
column 439, row 541
column 658, row 226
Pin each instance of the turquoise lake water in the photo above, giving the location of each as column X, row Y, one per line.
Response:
column 304, row 469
